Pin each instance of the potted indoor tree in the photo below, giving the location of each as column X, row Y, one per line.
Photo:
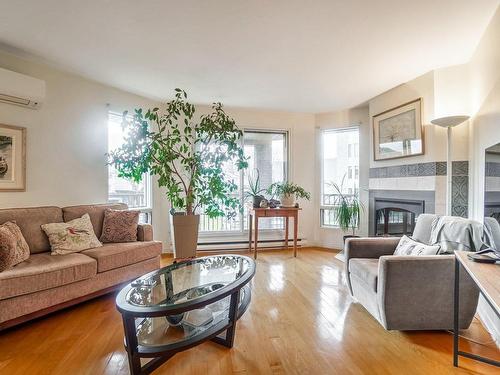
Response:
column 186, row 154
column 288, row 192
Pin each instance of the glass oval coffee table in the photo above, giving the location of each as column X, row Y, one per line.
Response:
column 180, row 306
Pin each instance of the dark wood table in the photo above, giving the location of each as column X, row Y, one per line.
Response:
column 487, row 278
column 182, row 305
column 254, row 214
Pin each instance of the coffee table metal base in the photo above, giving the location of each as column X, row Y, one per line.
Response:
column 221, row 333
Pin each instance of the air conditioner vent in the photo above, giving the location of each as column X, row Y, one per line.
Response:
column 21, row 90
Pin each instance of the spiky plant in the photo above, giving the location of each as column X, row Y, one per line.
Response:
column 347, row 208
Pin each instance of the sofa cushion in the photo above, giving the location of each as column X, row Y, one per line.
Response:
column 366, row 270
column 29, row 221
column 408, row 246
column 95, row 211
column 45, row 271
column 423, row 228
column 13, row 246
column 71, row 237
column 119, row 226
column 115, row 255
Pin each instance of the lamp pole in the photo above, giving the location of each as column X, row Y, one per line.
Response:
column 449, row 172
column 449, row 122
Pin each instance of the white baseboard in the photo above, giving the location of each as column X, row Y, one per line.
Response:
column 244, row 245
column 340, row 256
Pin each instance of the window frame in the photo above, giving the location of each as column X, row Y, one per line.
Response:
column 322, row 206
column 242, row 231
column 147, row 179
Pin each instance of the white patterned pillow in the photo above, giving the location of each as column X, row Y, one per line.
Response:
column 71, row 237
column 408, row 246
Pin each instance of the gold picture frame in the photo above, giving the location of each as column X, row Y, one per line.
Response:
column 12, row 158
column 398, row 132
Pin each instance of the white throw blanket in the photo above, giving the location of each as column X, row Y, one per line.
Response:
column 456, row 233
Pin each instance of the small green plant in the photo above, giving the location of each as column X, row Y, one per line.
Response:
column 254, row 189
column 187, row 154
column 347, row 208
column 287, row 189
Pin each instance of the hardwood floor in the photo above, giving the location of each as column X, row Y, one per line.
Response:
column 301, row 321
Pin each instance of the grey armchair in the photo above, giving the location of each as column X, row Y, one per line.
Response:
column 407, row 292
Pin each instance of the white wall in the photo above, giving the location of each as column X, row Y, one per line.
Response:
column 332, row 237
column 485, row 130
column 434, row 88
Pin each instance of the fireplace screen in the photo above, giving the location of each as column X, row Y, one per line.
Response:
column 392, row 221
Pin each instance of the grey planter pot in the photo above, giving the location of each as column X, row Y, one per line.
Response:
column 256, row 201
column 185, row 235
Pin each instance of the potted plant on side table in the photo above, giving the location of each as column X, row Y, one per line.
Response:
column 288, row 192
column 187, row 155
column 254, row 191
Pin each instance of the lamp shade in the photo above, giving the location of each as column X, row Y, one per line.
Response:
column 449, row 121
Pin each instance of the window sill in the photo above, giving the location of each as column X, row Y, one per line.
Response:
column 329, row 227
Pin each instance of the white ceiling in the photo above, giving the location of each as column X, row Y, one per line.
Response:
column 309, row 56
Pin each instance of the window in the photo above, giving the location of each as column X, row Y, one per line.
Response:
column 338, row 167
column 135, row 195
column 267, row 151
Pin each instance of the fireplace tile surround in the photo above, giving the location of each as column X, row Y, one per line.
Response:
column 426, row 181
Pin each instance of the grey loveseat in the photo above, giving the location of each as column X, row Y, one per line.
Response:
column 407, row 292
column 45, row 283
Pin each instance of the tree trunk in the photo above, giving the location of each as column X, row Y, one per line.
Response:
column 189, row 201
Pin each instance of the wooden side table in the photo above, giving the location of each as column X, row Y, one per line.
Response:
column 286, row 212
column 487, row 279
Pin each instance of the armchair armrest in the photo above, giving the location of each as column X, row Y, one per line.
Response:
column 416, row 292
column 144, row 232
column 370, row 247
column 367, row 247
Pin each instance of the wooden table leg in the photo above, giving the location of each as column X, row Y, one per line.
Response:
column 295, row 230
column 134, row 361
column 250, row 225
column 286, row 233
column 256, row 236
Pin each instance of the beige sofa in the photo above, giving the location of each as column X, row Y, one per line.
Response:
column 46, row 283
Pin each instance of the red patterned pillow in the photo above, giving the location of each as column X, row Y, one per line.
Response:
column 120, row 226
column 13, row 246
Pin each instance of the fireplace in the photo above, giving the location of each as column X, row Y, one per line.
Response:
column 395, row 217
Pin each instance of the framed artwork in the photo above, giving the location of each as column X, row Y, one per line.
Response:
column 12, row 158
column 398, row 132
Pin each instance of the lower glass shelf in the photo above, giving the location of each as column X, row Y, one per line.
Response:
column 158, row 333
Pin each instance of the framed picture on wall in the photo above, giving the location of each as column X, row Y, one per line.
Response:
column 12, row 158
column 398, row 132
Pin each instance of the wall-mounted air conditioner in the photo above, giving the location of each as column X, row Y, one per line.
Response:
column 20, row 89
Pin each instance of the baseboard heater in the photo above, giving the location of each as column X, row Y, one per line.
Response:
column 243, row 244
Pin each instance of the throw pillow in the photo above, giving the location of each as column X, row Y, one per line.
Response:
column 71, row 237
column 13, row 246
column 120, row 226
column 408, row 246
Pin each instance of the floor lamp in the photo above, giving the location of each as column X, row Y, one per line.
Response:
column 448, row 123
